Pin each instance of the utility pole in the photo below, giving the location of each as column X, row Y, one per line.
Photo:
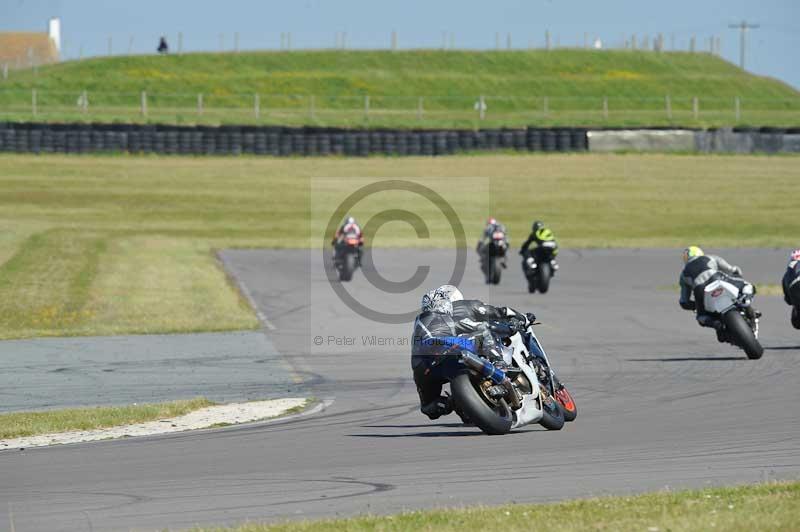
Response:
column 743, row 26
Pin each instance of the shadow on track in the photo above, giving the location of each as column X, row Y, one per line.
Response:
column 419, row 435
column 425, row 426
column 783, row 348
column 686, row 359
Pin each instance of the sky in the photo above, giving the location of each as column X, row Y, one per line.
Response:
column 208, row 25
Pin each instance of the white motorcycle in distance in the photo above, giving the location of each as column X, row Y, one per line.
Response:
column 511, row 387
column 734, row 307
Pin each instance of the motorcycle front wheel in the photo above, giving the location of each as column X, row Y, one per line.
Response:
column 567, row 403
column 742, row 334
column 490, row 418
column 348, row 267
column 552, row 413
column 496, row 266
column 544, row 277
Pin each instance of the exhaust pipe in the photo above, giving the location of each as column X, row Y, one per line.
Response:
column 484, row 368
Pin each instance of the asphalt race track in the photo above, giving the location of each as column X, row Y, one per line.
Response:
column 661, row 404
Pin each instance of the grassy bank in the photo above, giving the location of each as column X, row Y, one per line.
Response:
column 119, row 244
column 767, row 507
column 329, row 88
column 21, row 424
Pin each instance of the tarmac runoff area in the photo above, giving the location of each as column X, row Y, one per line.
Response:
column 661, row 404
column 48, row 373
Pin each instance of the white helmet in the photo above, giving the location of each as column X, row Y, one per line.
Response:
column 436, row 301
column 451, row 292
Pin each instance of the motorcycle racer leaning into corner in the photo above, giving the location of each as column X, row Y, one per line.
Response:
column 700, row 270
column 791, row 286
column 446, row 315
column 539, row 235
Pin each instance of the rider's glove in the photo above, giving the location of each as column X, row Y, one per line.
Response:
column 737, row 271
column 531, row 317
column 518, row 325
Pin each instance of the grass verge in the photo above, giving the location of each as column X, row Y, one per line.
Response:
column 767, row 507
column 112, row 245
column 22, row 424
column 329, row 88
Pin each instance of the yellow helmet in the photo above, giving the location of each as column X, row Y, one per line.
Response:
column 692, row 252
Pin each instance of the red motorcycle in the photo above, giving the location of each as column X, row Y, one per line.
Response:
column 347, row 255
column 493, row 257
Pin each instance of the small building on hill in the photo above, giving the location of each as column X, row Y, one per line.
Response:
column 23, row 49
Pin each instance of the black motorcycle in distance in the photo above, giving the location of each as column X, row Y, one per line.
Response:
column 493, row 257
column 537, row 265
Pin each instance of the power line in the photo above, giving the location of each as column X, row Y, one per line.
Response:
column 743, row 26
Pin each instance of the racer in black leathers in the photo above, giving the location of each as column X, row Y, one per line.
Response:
column 434, row 334
column 492, row 226
column 701, row 270
column 791, row 287
column 436, row 342
column 539, row 235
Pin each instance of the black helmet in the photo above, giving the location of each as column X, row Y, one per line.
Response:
column 538, row 224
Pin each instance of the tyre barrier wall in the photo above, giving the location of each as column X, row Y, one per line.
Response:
column 278, row 141
column 722, row 140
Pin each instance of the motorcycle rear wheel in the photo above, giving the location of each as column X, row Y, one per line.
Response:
column 742, row 334
column 491, row 419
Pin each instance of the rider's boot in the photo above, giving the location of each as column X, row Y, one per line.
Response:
column 752, row 313
column 441, row 406
column 706, row 320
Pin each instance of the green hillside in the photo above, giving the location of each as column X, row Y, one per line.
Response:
column 410, row 88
